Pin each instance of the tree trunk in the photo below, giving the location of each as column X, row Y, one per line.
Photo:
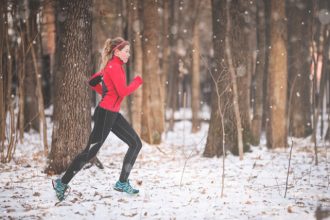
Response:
column 259, row 74
column 8, row 144
column 153, row 115
column 195, row 90
column 3, row 11
column 166, row 48
column 31, row 113
column 48, row 46
column 318, row 111
column 137, row 66
column 214, row 142
column 265, row 106
column 225, row 82
column 173, row 72
column 299, row 68
column 277, row 81
column 72, row 116
column 240, row 52
column 36, row 57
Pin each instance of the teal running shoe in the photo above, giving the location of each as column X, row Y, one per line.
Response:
column 60, row 189
column 125, row 187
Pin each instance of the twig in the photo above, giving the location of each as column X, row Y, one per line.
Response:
column 278, row 187
column 186, row 161
column 288, row 131
column 222, row 124
column 184, row 118
column 326, row 163
column 287, row 176
column 161, row 150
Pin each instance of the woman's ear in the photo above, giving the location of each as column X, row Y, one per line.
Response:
column 116, row 52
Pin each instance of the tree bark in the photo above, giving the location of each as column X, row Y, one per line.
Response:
column 32, row 31
column 277, row 81
column 166, row 48
column 31, row 113
column 48, row 46
column 137, row 65
column 299, row 59
column 7, row 149
column 153, row 115
column 240, row 52
column 318, row 111
column 195, row 90
column 259, row 74
column 173, row 73
column 3, row 11
column 72, row 116
column 214, row 142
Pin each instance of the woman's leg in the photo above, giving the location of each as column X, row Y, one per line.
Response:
column 103, row 122
column 126, row 133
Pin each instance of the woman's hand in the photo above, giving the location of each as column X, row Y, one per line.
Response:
column 138, row 79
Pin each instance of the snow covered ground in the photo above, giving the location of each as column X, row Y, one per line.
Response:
column 175, row 182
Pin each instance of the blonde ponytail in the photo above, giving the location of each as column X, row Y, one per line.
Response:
column 106, row 53
column 108, row 49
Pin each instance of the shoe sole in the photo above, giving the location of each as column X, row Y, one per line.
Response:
column 117, row 189
column 120, row 190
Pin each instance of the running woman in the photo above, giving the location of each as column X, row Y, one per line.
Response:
column 110, row 82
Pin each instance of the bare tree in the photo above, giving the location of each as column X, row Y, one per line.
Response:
column 299, row 22
column 72, row 100
column 173, row 71
column 137, row 61
column 239, row 70
column 215, row 138
column 8, row 142
column 195, row 84
column 153, row 114
column 215, row 145
column 3, row 11
column 48, row 47
column 260, row 72
column 36, row 57
column 166, row 47
column 277, row 77
column 30, row 31
column 238, row 46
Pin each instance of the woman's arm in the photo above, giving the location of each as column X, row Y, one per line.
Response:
column 95, row 81
column 118, row 79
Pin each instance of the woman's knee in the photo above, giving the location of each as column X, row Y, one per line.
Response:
column 138, row 142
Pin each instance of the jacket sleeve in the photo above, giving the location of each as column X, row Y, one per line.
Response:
column 118, row 78
column 95, row 81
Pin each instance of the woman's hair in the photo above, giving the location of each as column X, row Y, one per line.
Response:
column 110, row 46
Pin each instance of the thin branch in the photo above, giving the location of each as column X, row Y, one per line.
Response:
column 287, row 176
column 222, row 124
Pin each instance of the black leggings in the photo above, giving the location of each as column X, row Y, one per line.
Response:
column 106, row 121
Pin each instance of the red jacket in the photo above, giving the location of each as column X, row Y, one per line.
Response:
column 110, row 82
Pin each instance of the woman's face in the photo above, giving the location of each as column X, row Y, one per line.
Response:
column 123, row 54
